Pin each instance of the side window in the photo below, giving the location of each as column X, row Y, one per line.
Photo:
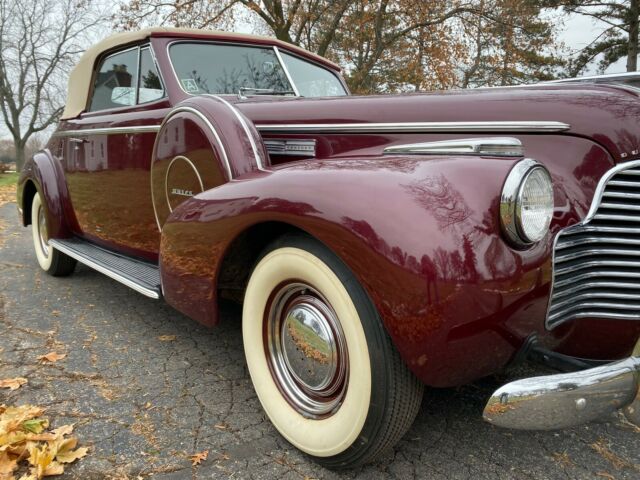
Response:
column 115, row 84
column 149, row 84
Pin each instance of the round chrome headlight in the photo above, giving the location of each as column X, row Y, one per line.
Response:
column 526, row 204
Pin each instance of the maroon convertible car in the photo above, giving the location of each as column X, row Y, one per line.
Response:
column 378, row 243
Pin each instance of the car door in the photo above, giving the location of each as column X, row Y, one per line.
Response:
column 108, row 157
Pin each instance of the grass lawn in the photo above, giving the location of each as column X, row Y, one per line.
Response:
column 8, row 179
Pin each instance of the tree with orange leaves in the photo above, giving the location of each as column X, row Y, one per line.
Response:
column 386, row 45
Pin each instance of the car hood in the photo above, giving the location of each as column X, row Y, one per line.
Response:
column 607, row 114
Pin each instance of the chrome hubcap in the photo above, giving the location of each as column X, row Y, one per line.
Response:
column 307, row 350
column 42, row 232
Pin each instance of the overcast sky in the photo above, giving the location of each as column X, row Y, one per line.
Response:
column 576, row 33
column 579, row 31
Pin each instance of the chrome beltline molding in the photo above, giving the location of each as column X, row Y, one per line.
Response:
column 417, row 127
column 108, row 131
column 109, row 273
column 408, row 127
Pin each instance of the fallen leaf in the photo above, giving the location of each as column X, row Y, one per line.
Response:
column 35, row 425
column 196, row 458
column 52, row 357
column 606, row 475
column 71, row 455
column 167, row 338
column 13, row 383
column 41, row 458
column 603, row 450
column 7, row 465
column 23, row 438
column 63, row 430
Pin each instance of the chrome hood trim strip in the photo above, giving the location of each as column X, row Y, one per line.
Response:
column 416, row 127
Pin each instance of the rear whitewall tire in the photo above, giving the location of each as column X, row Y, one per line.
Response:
column 50, row 260
column 359, row 429
column 39, row 236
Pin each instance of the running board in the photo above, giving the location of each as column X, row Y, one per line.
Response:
column 141, row 276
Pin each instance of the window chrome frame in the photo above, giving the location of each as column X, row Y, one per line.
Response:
column 338, row 77
column 275, row 49
column 155, row 64
column 124, row 108
column 218, row 42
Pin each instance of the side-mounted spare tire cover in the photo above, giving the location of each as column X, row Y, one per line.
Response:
column 203, row 142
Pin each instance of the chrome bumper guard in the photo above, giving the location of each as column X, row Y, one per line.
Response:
column 559, row 401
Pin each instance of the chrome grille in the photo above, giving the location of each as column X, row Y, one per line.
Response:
column 596, row 264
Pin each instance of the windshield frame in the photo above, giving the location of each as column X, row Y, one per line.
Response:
column 276, row 51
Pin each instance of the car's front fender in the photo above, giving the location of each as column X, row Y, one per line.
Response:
column 422, row 235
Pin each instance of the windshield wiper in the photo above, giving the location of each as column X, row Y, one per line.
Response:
column 263, row 91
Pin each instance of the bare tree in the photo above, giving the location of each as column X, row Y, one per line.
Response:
column 39, row 42
column 510, row 42
column 618, row 40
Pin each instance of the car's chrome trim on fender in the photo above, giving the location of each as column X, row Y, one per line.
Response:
column 225, row 158
column 291, row 147
column 108, row 131
column 417, row 127
column 245, row 127
column 488, row 146
column 565, row 400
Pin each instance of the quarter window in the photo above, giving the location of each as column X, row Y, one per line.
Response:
column 312, row 80
column 126, row 79
column 116, row 81
column 149, row 84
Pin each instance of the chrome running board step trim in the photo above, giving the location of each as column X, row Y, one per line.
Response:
column 142, row 277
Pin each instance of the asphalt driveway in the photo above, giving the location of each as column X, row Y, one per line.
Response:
column 147, row 387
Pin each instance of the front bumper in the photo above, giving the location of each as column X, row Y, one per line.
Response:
column 568, row 399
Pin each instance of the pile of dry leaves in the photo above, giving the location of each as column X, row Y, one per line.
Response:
column 7, row 194
column 27, row 448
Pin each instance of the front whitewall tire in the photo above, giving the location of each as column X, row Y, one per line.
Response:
column 328, row 436
column 307, row 318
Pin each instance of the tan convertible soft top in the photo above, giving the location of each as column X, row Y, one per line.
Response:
column 80, row 77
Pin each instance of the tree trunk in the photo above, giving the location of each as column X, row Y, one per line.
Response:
column 20, row 155
column 632, row 55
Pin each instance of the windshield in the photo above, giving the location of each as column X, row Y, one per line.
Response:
column 228, row 69
column 312, row 80
column 247, row 70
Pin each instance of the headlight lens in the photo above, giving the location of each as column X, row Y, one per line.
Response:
column 526, row 206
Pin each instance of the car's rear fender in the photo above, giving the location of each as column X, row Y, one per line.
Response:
column 43, row 173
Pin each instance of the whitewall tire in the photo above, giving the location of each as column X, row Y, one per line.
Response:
column 318, row 354
column 50, row 260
